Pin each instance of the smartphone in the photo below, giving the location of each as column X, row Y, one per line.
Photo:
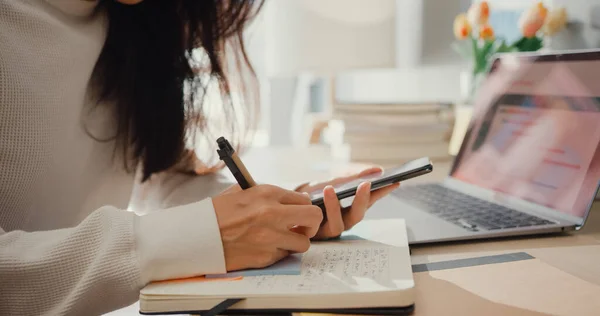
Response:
column 379, row 180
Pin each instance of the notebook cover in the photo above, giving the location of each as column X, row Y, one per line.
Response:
column 408, row 310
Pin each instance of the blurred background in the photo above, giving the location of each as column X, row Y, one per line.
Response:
column 381, row 81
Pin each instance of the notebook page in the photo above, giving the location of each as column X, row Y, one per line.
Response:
column 360, row 266
column 356, row 265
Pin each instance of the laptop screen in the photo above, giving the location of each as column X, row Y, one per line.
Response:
column 535, row 132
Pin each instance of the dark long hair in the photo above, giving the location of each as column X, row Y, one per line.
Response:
column 157, row 65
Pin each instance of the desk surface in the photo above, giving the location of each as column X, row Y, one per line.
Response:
column 577, row 254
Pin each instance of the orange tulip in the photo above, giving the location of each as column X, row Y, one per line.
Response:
column 462, row 28
column 479, row 13
column 532, row 20
column 486, row 32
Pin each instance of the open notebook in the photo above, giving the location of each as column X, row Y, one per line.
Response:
column 368, row 271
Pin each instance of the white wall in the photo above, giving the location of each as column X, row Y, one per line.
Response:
column 320, row 37
column 257, row 41
column 326, row 36
column 438, row 34
column 424, row 31
column 426, row 68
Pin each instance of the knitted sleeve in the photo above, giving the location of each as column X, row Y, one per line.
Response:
column 101, row 264
column 173, row 188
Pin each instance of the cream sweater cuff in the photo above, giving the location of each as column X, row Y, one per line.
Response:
column 178, row 242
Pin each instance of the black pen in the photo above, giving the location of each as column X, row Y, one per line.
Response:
column 239, row 171
column 235, row 164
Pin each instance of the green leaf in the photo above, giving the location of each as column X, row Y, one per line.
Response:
column 529, row 44
column 463, row 48
column 474, row 46
column 519, row 42
column 476, row 56
column 482, row 57
column 487, row 48
column 503, row 48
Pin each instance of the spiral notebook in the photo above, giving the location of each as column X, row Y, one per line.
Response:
column 367, row 271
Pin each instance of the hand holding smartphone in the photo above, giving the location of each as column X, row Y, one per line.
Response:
column 388, row 177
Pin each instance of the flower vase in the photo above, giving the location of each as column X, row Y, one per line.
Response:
column 470, row 82
column 476, row 81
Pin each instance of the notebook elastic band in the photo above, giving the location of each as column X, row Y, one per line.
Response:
column 221, row 307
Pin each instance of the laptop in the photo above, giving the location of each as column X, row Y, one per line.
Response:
column 529, row 162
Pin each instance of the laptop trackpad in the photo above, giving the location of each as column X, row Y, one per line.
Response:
column 420, row 225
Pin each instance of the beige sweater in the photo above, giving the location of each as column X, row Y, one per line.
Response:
column 68, row 243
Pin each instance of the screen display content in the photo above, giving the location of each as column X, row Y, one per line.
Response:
column 537, row 138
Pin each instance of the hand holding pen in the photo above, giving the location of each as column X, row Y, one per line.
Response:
column 261, row 224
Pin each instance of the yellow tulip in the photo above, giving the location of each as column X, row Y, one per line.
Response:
column 462, row 28
column 532, row 20
column 556, row 21
column 479, row 13
column 486, row 32
column 543, row 11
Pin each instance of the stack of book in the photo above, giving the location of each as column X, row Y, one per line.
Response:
column 391, row 134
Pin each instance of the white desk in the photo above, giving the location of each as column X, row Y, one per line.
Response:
column 291, row 166
column 577, row 254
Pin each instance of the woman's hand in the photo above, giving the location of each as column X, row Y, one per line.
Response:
column 264, row 224
column 340, row 219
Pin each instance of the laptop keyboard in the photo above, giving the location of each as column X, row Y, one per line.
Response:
column 466, row 211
